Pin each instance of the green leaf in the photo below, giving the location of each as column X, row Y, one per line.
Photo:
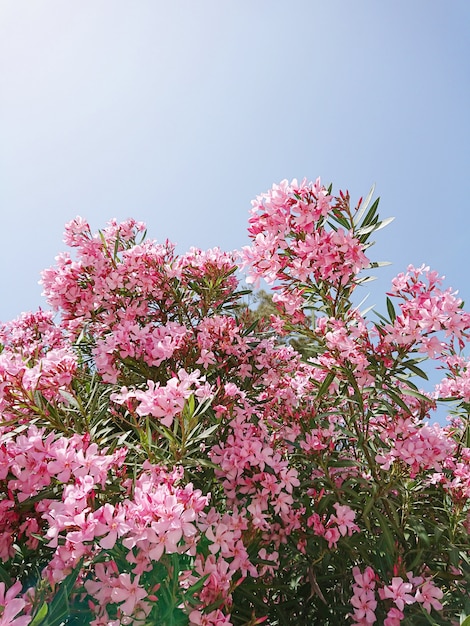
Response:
column 466, row 621
column 415, row 394
column 384, row 223
column 197, row 586
column 199, row 462
column 372, row 228
column 206, row 433
column 59, row 609
column 381, row 317
column 387, row 535
column 391, row 310
column 365, row 279
column 416, row 370
column 339, row 219
column 40, row 615
column 190, row 404
column 364, row 206
column 329, row 378
column 368, row 507
column 71, row 399
column 250, row 329
column 396, row 398
column 5, row 577
column 202, row 407
column 371, row 214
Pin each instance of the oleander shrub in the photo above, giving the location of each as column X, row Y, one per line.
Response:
column 171, row 456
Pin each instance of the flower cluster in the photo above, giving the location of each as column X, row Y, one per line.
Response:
column 338, row 525
column 397, row 594
column 287, row 226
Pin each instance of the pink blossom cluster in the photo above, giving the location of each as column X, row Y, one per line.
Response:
column 131, row 295
column 455, row 479
column 457, row 382
column 159, row 518
column 416, row 589
column 32, row 334
column 36, row 462
column 256, row 476
column 346, row 341
column 292, row 243
column 164, row 402
column 426, row 312
column 35, row 358
column 420, row 447
column 338, row 524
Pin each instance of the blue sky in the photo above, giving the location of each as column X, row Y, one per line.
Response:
column 179, row 112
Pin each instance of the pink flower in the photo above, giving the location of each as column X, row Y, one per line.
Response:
column 102, row 584
column 344, row 519
column 394, row 617
column 364, row 596
column 223, row 538
column 214, row 618
column 11, row 606
column 429, row 595
column 128, row 592
column 316, row 522
column 399, row 592
column 111, row 523
column 366, row 580
column 279, row 439
column 365, row 605
column 332, row 535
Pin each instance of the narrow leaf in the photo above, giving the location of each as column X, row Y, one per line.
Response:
column 197, row 586
column 40, row 615
column 371, row 213
column 325, row 385
column 387, row 535
column 60, row 605
column 418, row 371
column 364, row 205
column 415, row 394
column 391, row 310
column 396, row 398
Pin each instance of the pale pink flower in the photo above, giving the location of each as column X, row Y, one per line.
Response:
column 10, row 606
column 332, row 535
column 394, row 617
column 364, row 580
column 111, row 522
column 223, row 538
column 344, row 519
column 103, row 582
column 214, row 618
column 365, row 604
column 429, row 595
column 399, row 592
column 128, row 592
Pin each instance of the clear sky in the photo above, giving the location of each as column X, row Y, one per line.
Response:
column 179, row 112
